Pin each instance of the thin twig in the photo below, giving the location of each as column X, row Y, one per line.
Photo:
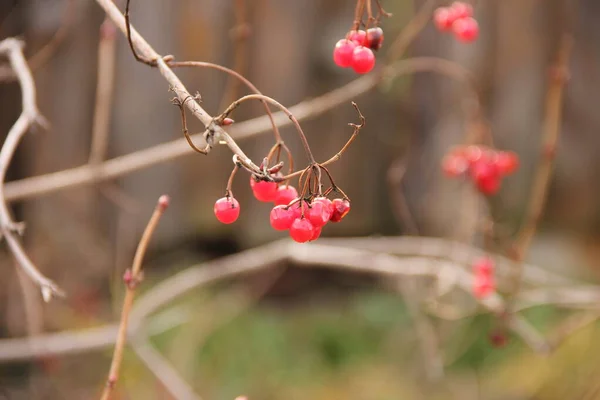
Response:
column 30, row 116
column 398, row 48
column 132, row 278
column 558, row 75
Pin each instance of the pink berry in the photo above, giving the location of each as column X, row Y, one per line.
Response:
column 285, row 194
column 342, row 53
column 341, row 207
column 462, row 10
column 507, row 162
column 443, row 17
column 298, row 207
column 363, row 60
column 486, row 176
column 483, row 286
column 374, row 39
column 359, row 37
column 466, row 30
column 281, row 218
column 483, row 266
column 316, row 234
column 454, row 165
column 301, row 230
column 328, row 205
column 263, row 190
column 227, row 210
column 318, row 214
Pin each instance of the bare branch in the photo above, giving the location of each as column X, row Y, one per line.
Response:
column 30, row 116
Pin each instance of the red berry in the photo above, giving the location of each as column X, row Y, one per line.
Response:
column 483, row 266
column 281, row 218
column 472, row 154
column 507, row 162
column 443, row 17
column 466, row 30
column 340, row 209
column 486, row 176
column 316, row 234
column 298, row 207
column 328, row 205
column 285, row 194
column 227, row 210
column 454, row 165
column 263, row 190
column 318, row 214
column 358, row 37
column 302, row 230
column 342, row 53
column 374, row 39
column 483, row 286
column 462, row 10
column 363, row 60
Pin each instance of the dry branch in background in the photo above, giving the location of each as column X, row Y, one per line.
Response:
column 132, row 278
column 30, row 116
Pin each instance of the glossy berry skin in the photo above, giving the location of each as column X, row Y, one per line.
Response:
column 465, row 30
column 302, row 230
column 374, row 39
column 359, row 37
column 328, row 205
column 285, row 194
column 342, row 53
column 281, row 219
column 461, row 10
column 363, row 60
column 341, row 207
column 318, row 214
column 483, row 267
column 507, row 162
column 443, row 18
column 483, row 286
column 316, row 234
column 263, row 190
column 227, row 210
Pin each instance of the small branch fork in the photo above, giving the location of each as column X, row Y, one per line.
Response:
column 29, row 117
column 132, row 278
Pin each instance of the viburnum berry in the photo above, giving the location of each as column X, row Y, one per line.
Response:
column 316, row 234
column 374, row 38
column 358, row 36
column 507, row 162
column 318, row 214
column 281, row 218
column 302, row 230
column 285, row 194
column 486, row 176
column 443, row 18
column 483, row 266
column 454, row 165
column 461, row 10
column 328, row 205
column 466, row 30
column 483, row 286
column 363, row 60
column 227, row 210
column 342, row 53
column 263, row 190
column 298, row 207
column 341, row 207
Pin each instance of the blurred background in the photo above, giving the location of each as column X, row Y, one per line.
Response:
column 292, row 333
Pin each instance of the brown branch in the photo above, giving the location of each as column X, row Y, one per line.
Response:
column 29, row 116
column 132, row 278
column 45, row 53
column 558, row 74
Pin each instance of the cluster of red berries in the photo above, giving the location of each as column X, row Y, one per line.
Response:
column 483, row 282
column 304, row 219
column 484, row 165
column 356, row 50
column 457, row 18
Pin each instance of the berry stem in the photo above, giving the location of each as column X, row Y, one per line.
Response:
column 277, row 104
column 228, row 190
column 358, row 13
